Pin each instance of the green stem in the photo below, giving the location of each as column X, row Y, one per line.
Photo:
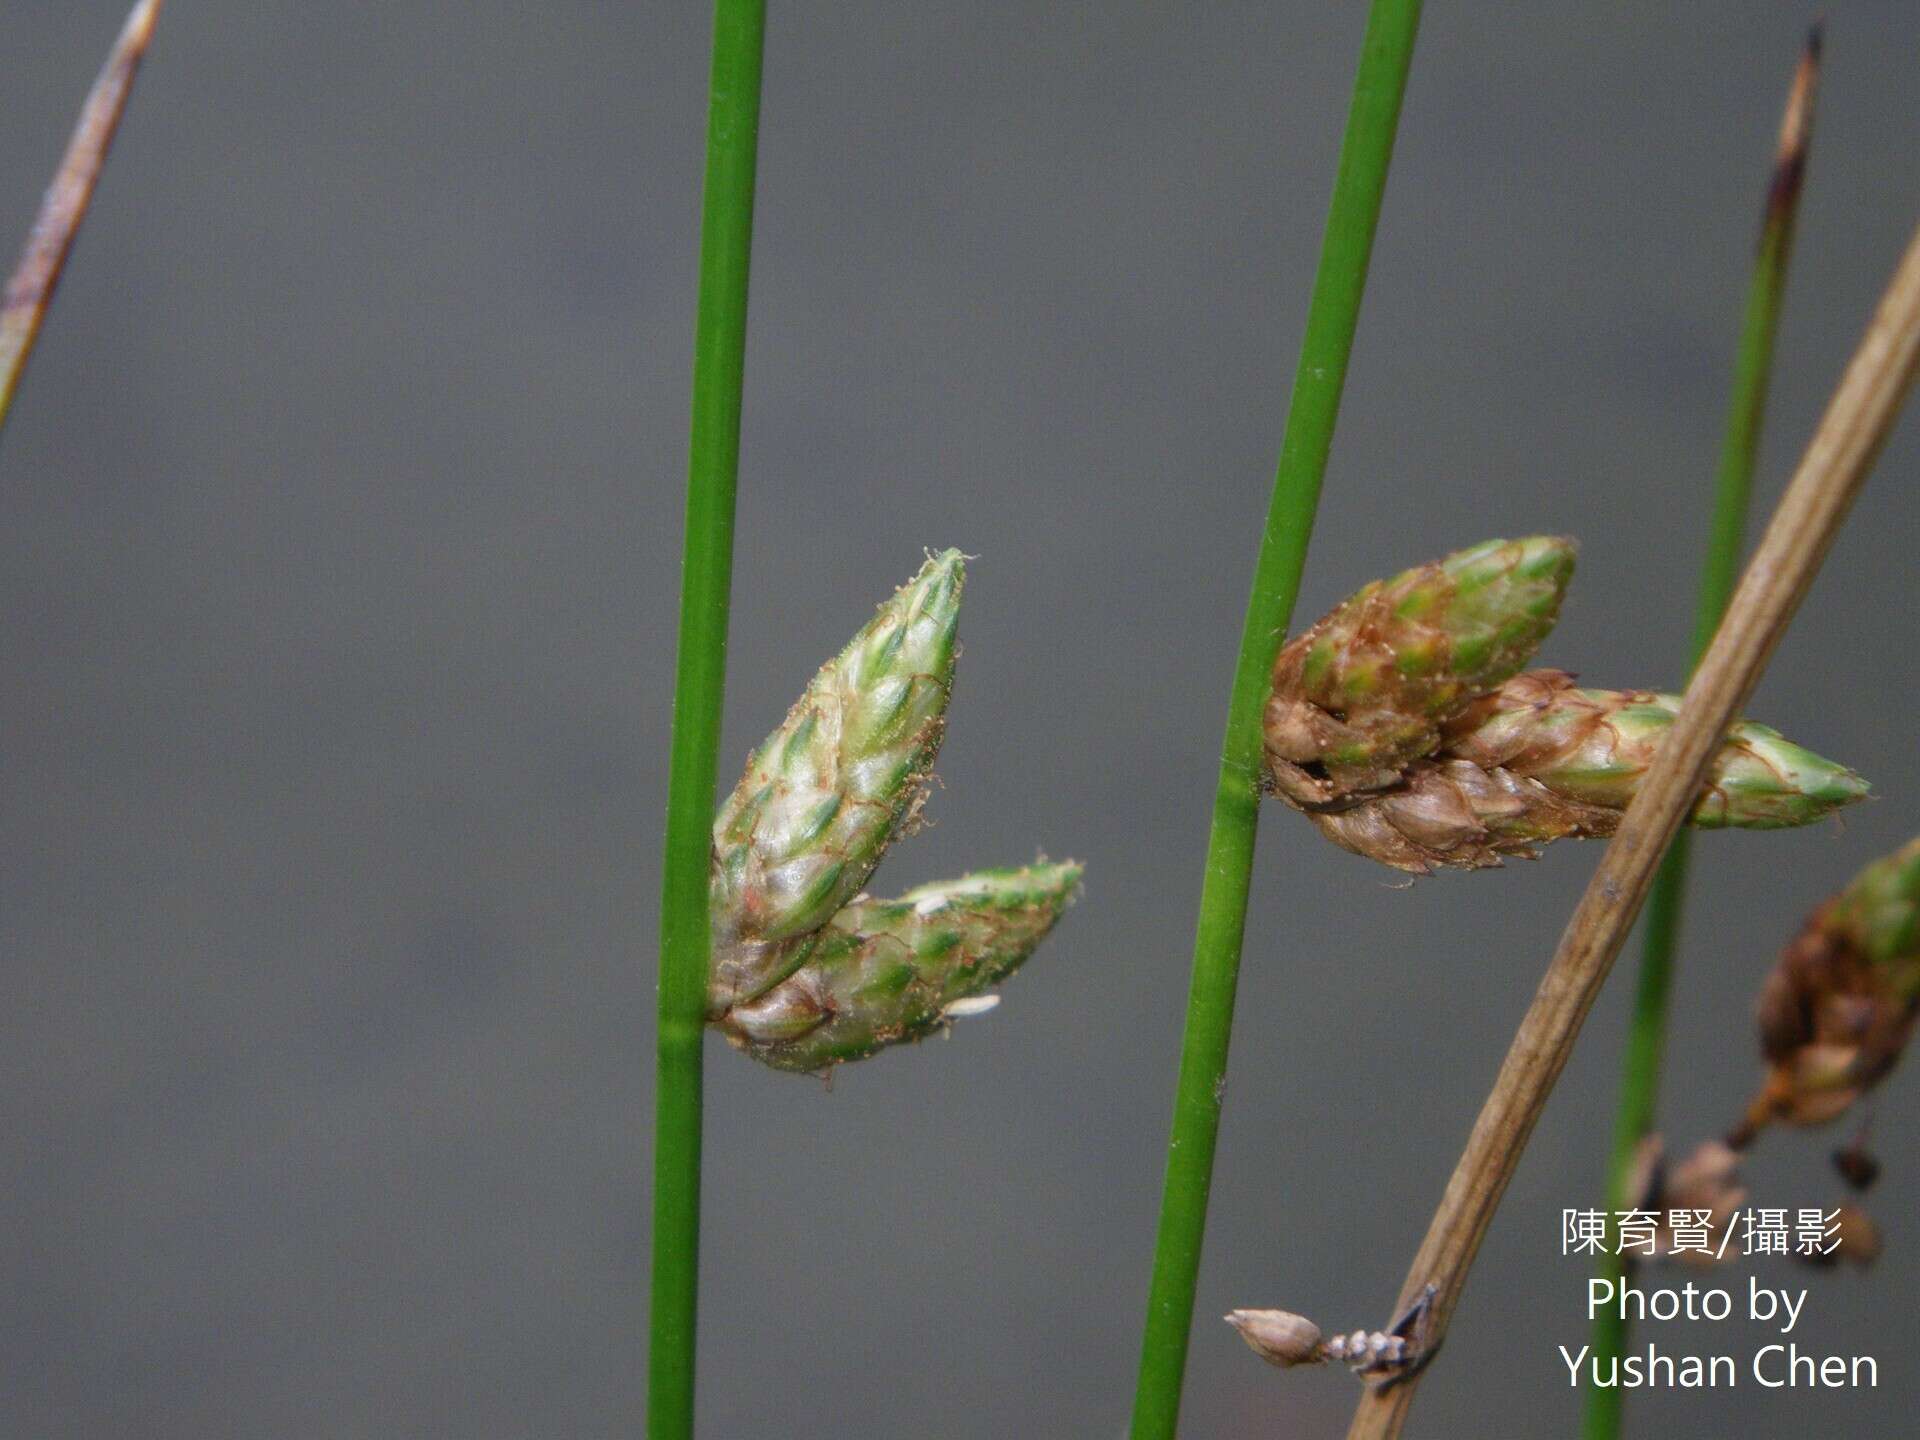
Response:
column 726, row 235
column 1346, row 247
column 1647, row 1029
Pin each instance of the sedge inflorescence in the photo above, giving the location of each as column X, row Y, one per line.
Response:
column 1405, row 726
column 807, row 972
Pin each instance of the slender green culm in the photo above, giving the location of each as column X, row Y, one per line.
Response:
column 30, row 289
column 726, row 235
column 1340, row 281
column 1753, row 365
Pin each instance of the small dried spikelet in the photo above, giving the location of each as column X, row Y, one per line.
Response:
column 1856, row 1164
column 1854, row 1237
column 1859, row 1237
column 1539, row 759
column 1283, row 1338
column 1706, row 1183
column 889, row 971
column 1363, row 693
column 1839, row 1006
column 1280, row 1337
column 1707, row 1179
column 830, row 789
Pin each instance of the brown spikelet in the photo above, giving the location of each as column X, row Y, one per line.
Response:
column 1702, row 1191
column 1832, row 1025
column 1454, row 814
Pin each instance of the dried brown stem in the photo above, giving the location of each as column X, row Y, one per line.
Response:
column 31, row 289
column 1802, row 530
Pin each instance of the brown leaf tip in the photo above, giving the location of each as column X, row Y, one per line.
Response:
column 1796, row 132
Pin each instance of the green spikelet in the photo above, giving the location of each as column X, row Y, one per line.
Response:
column 1363, row 693
column 1879, row 914
column 1540, row 759
column 1593, row 747
column 889, row 971
column 832, row 787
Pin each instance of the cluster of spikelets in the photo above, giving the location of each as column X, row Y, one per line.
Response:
column 1834, row 1016
column 1405, row 727
column 807, row 972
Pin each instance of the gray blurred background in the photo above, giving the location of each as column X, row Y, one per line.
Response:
column 339, row 528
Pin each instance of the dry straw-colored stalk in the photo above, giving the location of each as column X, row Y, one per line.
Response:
column 1849, row 437
column 31, row 289
column 1645, row 1050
